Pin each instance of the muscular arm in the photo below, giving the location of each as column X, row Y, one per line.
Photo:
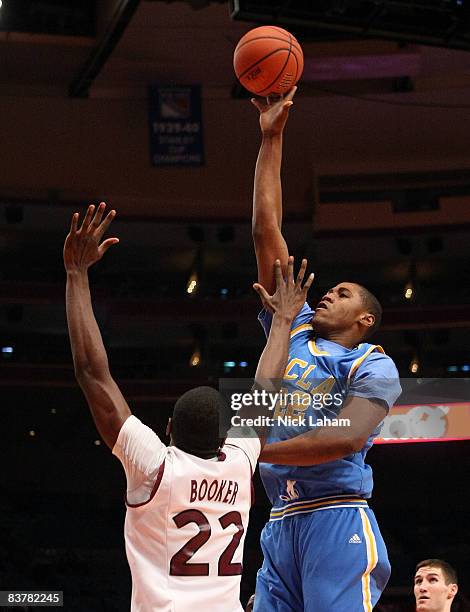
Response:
column 329, row 443
column 107, row 404
column 285, row 304
column 267, row 195
column 267, row 210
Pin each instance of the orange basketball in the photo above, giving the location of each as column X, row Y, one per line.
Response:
column 268, row 60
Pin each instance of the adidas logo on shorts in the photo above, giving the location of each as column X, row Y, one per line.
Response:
column 355, row 539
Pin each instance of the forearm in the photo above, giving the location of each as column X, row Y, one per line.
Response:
column 273, row 361
column 88, row 351
column 311, row 448
column 267, row 194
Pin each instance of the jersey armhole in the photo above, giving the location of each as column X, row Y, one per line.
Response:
column 156, row 486
column 252, row 471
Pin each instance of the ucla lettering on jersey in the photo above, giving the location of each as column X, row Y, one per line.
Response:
column 319, row 376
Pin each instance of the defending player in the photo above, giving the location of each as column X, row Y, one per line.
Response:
column 187, row 504
column 322, row 547
column 435, row 586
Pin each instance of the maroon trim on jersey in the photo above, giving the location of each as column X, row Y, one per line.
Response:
column 251, row 472
column 221, row 456
column 158, row 480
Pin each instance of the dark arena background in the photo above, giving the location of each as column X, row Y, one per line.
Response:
column 376, row 178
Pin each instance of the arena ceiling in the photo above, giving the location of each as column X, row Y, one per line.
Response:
column 112, row 50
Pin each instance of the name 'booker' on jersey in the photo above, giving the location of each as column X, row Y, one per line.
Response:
column 185, row 545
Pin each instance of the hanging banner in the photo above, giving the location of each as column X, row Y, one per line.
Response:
column 176, row 126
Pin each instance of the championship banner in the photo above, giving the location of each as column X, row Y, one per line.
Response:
column 176, row 126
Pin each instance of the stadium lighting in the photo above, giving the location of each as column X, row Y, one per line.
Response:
column 409, row 291
column 414, row 365
column 195, row 359
column 192, row 284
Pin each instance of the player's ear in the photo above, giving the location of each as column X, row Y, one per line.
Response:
column 168, row 427
column 367, row 319
column 453, row 588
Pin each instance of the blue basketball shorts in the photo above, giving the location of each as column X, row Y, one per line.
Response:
column 323, row 555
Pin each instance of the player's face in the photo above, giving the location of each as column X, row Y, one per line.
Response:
column 339, row 309
column 431, row 591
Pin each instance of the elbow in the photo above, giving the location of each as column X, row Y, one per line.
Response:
column 354, row 444
column 82, row 373
column 263, row 227
column 258, row 230
column 85, row 373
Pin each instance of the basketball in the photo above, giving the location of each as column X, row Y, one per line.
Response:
column 268, row 60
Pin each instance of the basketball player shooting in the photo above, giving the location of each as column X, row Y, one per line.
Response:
column 187, row 504
column 322, row 547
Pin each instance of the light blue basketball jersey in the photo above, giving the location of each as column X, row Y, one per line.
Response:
column 319, row 376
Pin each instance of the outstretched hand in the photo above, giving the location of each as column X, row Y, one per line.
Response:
column 290, row 295
column 273, row 115
column 83, row 247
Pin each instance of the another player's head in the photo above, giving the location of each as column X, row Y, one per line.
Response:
column 195, row 424
column 435, row 586
column 348, row 307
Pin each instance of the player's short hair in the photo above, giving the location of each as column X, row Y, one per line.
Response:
column 450, row 575
column 372, row 305
column 195, row 421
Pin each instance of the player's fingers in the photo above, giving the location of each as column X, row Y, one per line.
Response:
column 74, row 223
column 301, row 274
column 308, row 282
column 291, row 93
column 87, row 219
column 278, row 274
column 274, row 99
column 106, row 244
column 290, row 270
column 107, row 222
column 98, row 215
column 259, row 105
column 261, row 291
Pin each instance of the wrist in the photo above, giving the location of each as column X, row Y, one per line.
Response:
column 269, row 135
column 77, row 273
column 282, row 320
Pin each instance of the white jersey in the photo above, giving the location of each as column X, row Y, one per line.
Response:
column 185, row 544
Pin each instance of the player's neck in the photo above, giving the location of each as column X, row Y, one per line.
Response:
column 343, row 338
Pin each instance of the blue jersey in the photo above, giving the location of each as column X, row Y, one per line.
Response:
column 319, row 376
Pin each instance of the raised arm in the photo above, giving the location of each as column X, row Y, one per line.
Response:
column 83, row 248
column 286, row 302
column 267, row 195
